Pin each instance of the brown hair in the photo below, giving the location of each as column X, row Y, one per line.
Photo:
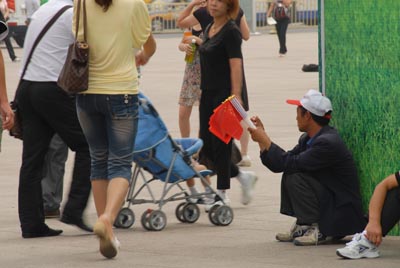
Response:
column 233, row 8
column 105, row 4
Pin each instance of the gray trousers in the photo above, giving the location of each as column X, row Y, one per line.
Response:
column 53, row 174
column 299, row 197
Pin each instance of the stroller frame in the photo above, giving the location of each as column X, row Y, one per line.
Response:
column 173, row 169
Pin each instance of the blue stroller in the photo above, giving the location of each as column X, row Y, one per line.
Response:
column 170, row 161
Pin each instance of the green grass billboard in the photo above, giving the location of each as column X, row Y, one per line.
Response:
column 360, row 60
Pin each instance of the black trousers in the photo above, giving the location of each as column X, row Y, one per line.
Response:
column 46, row 109
column 281, row 28
column 390, row 211
column 299, row 197
column 215, row 151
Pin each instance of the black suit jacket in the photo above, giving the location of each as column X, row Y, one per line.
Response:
column 327, row 159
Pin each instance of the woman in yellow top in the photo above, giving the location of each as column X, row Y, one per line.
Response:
column 108, row 110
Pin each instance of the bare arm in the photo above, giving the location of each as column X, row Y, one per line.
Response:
column 271, row 7
column 7, row 115
column 186, row 18
column 149, row 48
column 244, row 28
column 6, row 12
column 236, row 77
column 374, row 228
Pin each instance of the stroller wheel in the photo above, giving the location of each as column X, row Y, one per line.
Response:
column 157, row 220
column 191, row 212
column 145, row 219
column 179, row 212
column 125, row 218
column 224, row 215
column 212, row 215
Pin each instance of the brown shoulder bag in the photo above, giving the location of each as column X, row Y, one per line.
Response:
column 74, row 76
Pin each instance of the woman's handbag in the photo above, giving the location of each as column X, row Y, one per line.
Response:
column 74, row 76
column 16, row 130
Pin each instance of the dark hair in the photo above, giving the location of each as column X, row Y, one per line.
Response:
column 105, row 4
column 320, row 120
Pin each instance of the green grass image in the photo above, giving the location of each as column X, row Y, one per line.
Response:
column 362, row 72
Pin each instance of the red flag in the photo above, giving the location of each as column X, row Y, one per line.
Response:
column 225, row 122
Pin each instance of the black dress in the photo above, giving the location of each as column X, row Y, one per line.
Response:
column 215, row 54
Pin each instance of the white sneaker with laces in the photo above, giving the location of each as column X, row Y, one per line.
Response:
column 247, row 180
column 359, row 247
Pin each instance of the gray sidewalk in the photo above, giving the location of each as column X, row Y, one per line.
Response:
column 250, row 240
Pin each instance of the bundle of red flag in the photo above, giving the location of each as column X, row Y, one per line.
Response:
column 225, row 122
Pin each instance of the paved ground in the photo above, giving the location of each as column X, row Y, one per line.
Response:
column 249, row 240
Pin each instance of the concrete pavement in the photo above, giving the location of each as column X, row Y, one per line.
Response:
column 250, row 240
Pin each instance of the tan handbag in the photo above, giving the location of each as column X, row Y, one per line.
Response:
column 74, row 76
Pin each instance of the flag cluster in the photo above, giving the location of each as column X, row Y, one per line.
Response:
column 225, row 122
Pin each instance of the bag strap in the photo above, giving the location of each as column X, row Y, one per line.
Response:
column 40, row 36
column 84, row 20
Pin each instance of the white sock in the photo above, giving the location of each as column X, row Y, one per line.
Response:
column 221, row 193
column 193, row 190
column 208, row 189
column 364, row 233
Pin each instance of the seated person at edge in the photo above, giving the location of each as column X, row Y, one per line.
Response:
column 384, row 213
column 319, row 186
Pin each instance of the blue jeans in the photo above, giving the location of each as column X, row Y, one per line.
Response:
column 109, row 123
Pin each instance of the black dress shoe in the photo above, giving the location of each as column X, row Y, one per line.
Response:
column 78, row 222
column 44, row 233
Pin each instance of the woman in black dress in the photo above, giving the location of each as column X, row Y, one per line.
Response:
column 187, row 19
column 221, row 77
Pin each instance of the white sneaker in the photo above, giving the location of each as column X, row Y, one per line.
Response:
column 359, row 247
column 312, row 237
column 221, row 198
column 247, row 180
column 245, row 162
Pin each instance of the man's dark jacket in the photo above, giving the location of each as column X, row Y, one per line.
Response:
column 328, row 160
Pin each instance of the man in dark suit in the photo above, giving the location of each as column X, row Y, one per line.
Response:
column 319, row 187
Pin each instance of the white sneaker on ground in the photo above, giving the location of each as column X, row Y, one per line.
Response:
column 294, row 232
column 247, row 180
column 312, row 237
column 359, row 247
column 245, row 162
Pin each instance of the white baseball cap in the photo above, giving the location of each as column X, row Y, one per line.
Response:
column 315, row 103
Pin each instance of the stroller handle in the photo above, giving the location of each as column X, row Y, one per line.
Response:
column 190, row 145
